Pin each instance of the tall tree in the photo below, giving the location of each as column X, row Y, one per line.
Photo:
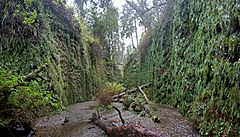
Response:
column 127, row 23
column 143, row 12
column 102, row 18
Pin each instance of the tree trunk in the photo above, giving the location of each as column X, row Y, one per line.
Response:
column 127, row 131
column 116, row 97
column 136, row 32
column 133, row 42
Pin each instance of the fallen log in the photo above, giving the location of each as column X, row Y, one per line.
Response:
column 132, row 131
column 34, row 74
column 116, row 97
column 126, row 130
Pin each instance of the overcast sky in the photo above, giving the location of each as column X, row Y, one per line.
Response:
column 117, row 3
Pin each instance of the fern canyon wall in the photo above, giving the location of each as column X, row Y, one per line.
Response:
column 193, row 61
column 36, row 33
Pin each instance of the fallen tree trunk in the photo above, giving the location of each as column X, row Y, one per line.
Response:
column 34, row 74
column 116, row 97
column 127, row 131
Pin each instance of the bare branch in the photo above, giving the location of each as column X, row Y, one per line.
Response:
column 120, row 115
column 133, row 18
column 145, row 96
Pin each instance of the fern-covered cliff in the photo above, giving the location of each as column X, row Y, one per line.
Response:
column 38, row 32
column 53, row 56
column 193, row 61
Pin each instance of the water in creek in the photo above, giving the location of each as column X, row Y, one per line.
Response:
column 74, row 122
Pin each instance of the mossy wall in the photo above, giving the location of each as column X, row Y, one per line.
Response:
column 194, row 64
column 39, row 32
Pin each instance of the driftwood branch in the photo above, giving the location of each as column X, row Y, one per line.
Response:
column 127, row 131
column 145, row 96
column 34, row 74
column 149, row 108
column 116, row 97
column 133, row 131
column 120, row 115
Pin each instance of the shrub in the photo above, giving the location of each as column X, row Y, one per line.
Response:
column 32, row 101
column 24, row 100
column 107, row 91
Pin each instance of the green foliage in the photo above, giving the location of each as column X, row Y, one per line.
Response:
column 86, row 35
column 33, row 99
column 103, row 106
column 103, row 24
column 136, row 103
column 37, row 32
column 26, row 12
column 128, row 100
column 7, row 79
column 30, row 19
column 22, row 100
column 2, row 123
column 193, row 63
column 114, row 87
